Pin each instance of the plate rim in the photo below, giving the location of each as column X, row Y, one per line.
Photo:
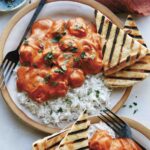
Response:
column 5, row 94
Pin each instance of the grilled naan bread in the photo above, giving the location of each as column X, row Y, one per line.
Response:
column 135, row 73
column 119, row 49
column 50, row 142
column 77, row 137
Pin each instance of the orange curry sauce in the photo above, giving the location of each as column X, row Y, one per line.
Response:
column 58, row 55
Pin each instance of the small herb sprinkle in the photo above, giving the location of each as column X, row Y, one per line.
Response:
column 57, row 38
column 61, row 71
column 74, row 49
column 89, row 91
column 130, row 106
column 48, row 57
column 60, row 110
column 134, row 103
column 40, row 51
column 135, row 111
column 64, row 68
column 97, row 93
column 54, row 83
column 124, row 106
column 47, row 78
column 77, row 59
column 68, row 101
column 83, row 54
column 77, row 27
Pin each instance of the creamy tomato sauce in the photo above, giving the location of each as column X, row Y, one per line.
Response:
column 58, row 55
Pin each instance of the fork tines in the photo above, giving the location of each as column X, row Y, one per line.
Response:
column 112, row 120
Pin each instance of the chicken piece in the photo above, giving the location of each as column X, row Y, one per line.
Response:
column 77, row 27
column 100, row 141
column 68, row 43
column 41, row 27
column 76, row 78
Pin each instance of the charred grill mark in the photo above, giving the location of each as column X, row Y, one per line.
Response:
column 107, row 37
column 76, row 141
column 136, row 36
column 54, row 145
column 108, row 30
column 83, row 148
column 125, row 78
column 104, row 49
column 81, row 121
column 144, row 44
column 79, row 131
column 138, row 70
column 131, row 27
column 128, row 59
column 80, row 140
column 123, row 42
column 101, row 25
column 95, row 13
column 114, row 44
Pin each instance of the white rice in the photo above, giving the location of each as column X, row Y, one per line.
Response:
column 93, row 96
column 101, row 126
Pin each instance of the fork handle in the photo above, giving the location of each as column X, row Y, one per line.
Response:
column 143, row 148
column 36, row 13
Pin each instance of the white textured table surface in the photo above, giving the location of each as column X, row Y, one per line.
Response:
column 16, row 135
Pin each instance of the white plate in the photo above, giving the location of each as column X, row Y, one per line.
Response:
column 53, row 10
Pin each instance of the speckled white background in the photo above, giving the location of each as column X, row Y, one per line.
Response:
column 16, row 135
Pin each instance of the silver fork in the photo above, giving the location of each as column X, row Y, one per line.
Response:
column 117, row 125
column 11, row 59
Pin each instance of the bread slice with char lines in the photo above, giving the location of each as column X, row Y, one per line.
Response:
column 120, row 50
column 135, row 73
column 77, row 137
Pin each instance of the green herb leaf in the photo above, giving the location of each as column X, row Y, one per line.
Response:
column 57, row 38
column 54, row 83
column 77, row 59
column 83, row 54
column 74, row 49
column 64, row 68
column 68, row 101
column 40, row 51
column 89, row 91
column 47, row 78
column 60, row 110
column 78, row 27
column 135, row 111
column 97, row 93
column 130, row 106
column 48, row 57
column 134, row 103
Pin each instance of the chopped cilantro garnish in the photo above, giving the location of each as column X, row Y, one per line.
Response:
column 47, row 78
column 61, row 70
column 89, row 91
column 93, row 56
column 56, row 38
column 63, row 67
column 76, row 59
column 135, row 111
column 68, row 101
column 48, row 57
column 134, row 103
column 40, row 51
column 60, row 110
column 97, row 93
column 83, row 54
column 74, row 49
column 54, row 83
